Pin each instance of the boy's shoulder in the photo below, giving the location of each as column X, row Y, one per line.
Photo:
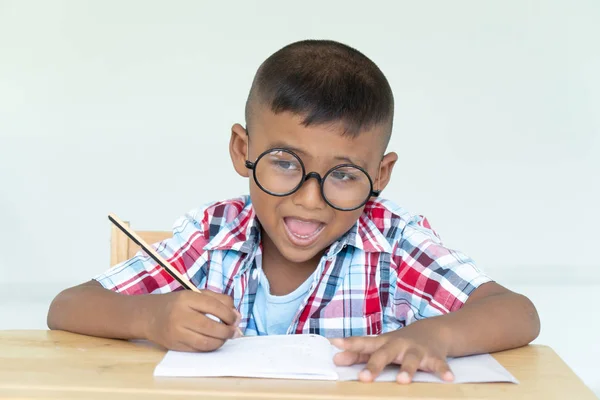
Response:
column 226, row 211
column 396, row 223
column 212, row 218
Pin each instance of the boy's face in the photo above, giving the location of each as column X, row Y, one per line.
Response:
column 301, row 225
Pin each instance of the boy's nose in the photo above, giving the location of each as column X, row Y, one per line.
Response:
column 309, row 196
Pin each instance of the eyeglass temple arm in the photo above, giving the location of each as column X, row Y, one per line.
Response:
column 377, row 192
column 249, row 164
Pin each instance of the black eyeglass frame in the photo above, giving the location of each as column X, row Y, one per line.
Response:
column 252, row 166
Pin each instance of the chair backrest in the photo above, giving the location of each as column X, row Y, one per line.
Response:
column 122, row 248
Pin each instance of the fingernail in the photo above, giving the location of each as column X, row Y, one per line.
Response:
column 403, row 377
column 448, row 376
column 365, row 375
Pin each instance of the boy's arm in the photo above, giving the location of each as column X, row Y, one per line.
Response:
column 492, row 319
column 92, row 310
column 453, row 310
column 176, row 320
column 138, row 299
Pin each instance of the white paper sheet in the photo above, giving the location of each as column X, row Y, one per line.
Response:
column 472, row 369
column 279, row 356
column 307, row 357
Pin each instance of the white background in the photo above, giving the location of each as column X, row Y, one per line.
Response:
column 126, row 107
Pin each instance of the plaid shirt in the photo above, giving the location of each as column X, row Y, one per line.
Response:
column 389, row 270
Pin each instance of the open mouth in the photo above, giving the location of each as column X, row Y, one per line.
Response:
column 302, row 232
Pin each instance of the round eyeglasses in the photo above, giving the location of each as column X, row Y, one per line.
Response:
column 280, row 172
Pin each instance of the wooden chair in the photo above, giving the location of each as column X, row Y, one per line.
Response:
column 122, row 248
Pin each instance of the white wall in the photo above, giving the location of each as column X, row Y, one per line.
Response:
column 125, row 106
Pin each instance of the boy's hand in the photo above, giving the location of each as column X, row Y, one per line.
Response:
column 179, row 320
column 418, row 346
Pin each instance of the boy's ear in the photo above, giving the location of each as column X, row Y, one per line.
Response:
column 385, row 170
column 238, row 149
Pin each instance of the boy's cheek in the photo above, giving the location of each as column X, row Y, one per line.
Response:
column 265, row 206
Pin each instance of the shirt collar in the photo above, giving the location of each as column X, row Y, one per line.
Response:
column 364, row 235
column 243, row 234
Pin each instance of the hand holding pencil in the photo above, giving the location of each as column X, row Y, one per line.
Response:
column 188, row 320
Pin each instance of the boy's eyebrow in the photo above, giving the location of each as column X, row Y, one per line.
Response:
column 358, row 161
column 301, row 152
column 282, row 145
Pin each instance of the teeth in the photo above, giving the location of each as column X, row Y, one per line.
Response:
column 302, row 236
column 308, row 236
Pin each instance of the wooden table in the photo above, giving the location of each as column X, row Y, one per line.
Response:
column 61, row 365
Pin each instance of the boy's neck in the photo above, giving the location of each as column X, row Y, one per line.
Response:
column 284, row 275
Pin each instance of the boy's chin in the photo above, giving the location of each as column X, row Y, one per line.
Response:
column 300, row 255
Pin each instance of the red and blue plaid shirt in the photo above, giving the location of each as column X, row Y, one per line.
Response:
column 389, row 270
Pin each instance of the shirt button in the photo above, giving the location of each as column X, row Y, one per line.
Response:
column 255, row 274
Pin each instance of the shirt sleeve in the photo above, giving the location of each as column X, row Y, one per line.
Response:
column 142, row 275
column 432, row 279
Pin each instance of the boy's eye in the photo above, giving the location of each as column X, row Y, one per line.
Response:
column 344, row 176
column 285, row 165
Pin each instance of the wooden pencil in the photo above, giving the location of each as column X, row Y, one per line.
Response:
column 171, row 270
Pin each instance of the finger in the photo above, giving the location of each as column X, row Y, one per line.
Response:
column 223, row 298
column 410, row 363
column 379, row 360
column 208, row 304
column 200, row 342
column 226, row 300
column 346, row 358
column 203, row 325
column 362, row 344
column 440, row 367
column 180, row 346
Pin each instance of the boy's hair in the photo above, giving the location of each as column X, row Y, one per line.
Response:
column 324, row 81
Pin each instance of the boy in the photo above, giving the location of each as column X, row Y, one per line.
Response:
column 312, row 249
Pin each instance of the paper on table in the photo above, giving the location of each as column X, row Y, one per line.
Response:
column 472, row 369
column 306, row 357
column 278, row 356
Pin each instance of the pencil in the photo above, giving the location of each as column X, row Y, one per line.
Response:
column 156, row 257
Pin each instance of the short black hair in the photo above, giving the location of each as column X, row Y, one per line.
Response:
column 324, row 81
